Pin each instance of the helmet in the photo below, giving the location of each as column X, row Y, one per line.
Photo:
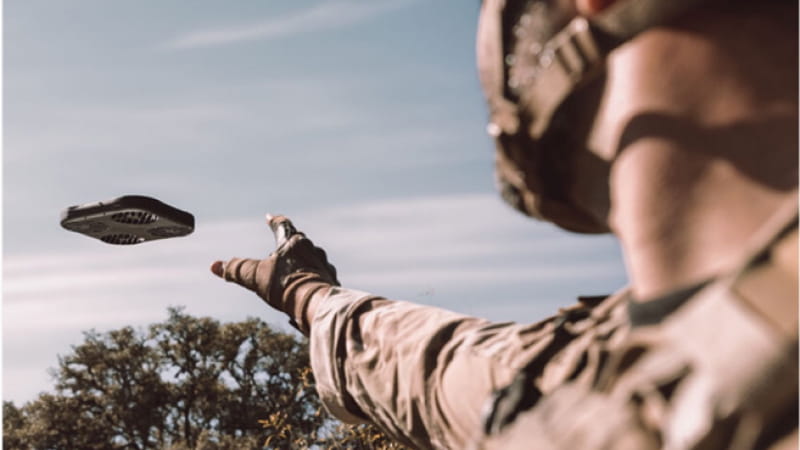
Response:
column 533, row 57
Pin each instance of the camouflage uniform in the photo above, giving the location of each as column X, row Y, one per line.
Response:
column 676, row 378
column 424, row 375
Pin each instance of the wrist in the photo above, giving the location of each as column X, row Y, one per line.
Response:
column 301, row 296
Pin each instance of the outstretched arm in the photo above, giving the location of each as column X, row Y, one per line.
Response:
column 422, row 374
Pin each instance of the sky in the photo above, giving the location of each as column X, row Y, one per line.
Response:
column 363, row 121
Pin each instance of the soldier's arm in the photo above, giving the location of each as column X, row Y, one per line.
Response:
column 423, row 374
column 420, row 373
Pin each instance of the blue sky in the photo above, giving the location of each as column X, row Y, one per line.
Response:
column 361, row 120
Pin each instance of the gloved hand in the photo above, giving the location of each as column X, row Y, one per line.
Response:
column 289, row 277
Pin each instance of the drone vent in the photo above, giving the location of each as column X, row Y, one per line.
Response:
column 122, row 239
column 134, row 217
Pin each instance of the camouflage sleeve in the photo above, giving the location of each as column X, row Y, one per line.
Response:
column 422, row 374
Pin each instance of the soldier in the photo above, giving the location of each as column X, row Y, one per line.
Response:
column 673, row 125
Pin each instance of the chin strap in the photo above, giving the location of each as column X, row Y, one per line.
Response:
column 570, row 58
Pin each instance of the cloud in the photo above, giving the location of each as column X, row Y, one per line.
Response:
column 324, row 16
column 463, row 238
column 465, row 252
column 399, row 247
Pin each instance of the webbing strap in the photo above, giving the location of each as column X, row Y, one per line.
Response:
column 570, row 58
column 625, row 19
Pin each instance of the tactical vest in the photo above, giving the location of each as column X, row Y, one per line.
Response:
column 714, row 365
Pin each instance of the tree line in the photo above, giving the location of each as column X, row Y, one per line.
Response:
column 185, row 383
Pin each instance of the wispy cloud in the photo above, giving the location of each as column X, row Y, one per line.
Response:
column 463, row 238
column 465, row 252
column 324, row 16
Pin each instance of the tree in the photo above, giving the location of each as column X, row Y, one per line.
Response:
column 115, row 380
column 185, row 383
column 13, row 424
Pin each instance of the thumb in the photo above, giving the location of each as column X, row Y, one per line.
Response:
column 218, row 268
column 241, row 271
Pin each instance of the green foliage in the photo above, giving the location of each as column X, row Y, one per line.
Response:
column 185, row 383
